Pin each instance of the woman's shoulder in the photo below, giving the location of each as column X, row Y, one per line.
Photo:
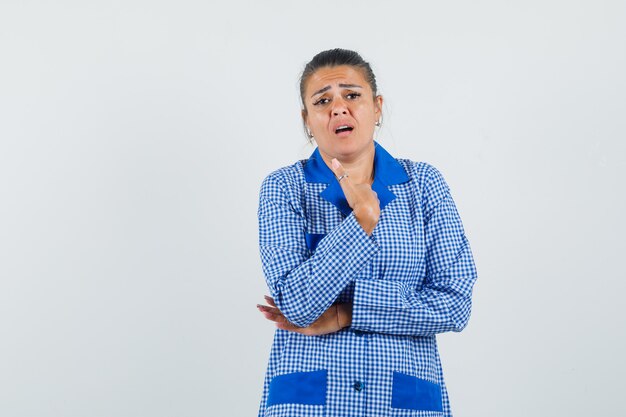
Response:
column 423, row 173
column 284, row 180
column 428, row 179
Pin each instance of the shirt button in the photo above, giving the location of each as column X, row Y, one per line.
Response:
column 358, row 386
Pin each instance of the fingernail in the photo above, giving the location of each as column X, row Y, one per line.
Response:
column 335, row 163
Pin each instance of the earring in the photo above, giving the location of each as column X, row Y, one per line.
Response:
column 377, row 123
column 309, row 134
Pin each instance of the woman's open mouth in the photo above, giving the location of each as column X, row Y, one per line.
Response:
column 343, row 130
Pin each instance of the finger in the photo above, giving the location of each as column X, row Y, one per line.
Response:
column 307, row 331
column 269, row 300
column 290, row 327
column 268, row 309
column 345, row 183
column 338, row 169
column 275, row 318
column 272, row 316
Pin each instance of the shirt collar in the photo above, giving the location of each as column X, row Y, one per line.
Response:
column 387, row 171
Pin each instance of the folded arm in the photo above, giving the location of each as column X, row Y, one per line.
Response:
column 305, row 285
column 443, row 301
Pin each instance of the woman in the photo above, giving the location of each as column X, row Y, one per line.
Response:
column 366, row 260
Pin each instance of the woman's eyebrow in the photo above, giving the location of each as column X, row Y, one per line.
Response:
column 321, row 90
column 350, row 86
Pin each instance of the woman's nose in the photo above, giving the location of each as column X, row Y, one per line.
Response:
column 339, row 107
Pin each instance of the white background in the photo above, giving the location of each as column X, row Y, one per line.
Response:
column 134, row 136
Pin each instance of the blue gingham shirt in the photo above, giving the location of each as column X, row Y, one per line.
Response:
column 411, row 279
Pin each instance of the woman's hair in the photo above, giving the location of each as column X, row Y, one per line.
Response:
column 334, row 58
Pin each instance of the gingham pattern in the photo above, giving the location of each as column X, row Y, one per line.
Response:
column 410, row 280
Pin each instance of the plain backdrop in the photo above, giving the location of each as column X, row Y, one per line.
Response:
column 134, row 136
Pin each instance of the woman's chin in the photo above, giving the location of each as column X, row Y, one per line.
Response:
column 347, row 148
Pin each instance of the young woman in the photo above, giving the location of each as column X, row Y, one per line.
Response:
column 366, row 260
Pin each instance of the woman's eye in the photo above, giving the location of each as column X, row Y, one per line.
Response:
column 321, row 101
column 353, row 96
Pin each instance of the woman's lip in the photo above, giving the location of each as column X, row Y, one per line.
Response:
column 344, row 133
column 350, row 128
column 336, row 126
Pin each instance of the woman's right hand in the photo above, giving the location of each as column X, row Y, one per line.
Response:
column 361, row 198
column 338, row 316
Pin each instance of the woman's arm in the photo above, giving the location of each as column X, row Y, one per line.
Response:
column 443, row 302
column 302, row 285
column 332, row 320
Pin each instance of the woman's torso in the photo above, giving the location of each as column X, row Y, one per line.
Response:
column 360, row 366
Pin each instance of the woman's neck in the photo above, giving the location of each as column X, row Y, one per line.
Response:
column 360, row 168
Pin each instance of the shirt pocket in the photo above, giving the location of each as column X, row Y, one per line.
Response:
column 297, row 393
column 413, row 393
column 293, row 410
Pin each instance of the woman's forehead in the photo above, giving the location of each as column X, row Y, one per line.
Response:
column 332, row 76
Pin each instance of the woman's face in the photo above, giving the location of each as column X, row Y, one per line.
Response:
column 341, row 112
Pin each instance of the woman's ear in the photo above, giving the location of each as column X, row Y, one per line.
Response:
column 379, row 105
column 307, row 130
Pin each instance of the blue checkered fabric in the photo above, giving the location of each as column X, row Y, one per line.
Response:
column 411, row 279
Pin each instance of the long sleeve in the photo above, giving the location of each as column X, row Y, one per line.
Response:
column 304, row 285
column 443, row 300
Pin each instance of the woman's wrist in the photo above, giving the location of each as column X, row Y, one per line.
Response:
column 344, row 314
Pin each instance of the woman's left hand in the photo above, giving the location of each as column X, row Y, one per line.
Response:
column 338, row 316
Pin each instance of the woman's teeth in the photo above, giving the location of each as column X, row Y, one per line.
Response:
column 343, row 129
